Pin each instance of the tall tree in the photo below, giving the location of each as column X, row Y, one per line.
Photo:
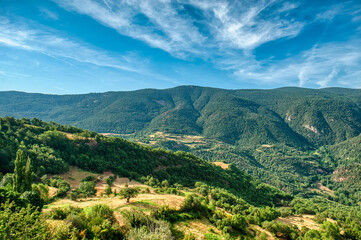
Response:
column 19, row 172
column 28, row 176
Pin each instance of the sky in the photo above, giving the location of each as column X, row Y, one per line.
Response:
column 81, row 46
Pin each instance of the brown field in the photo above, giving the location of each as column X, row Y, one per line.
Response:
column 261, row 230
column 197, row 227
column 303, row 220
column 300, row 221
column 221, row 164
column 75, row 175
column 145, row 202
column 150, row 199
column 188, row 140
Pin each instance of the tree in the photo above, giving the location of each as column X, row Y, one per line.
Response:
column 165, row 184
column 129, row 193
column 108, row 190
column 19, row 172
column 330, row 230
column 28, row 178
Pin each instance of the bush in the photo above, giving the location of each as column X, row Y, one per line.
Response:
column 21, row 223
column 6, row 180
column 87, row 189
column 90, row 178
column 61, row 231
column 166, row 213
column 159, row 230
column 281, row 229
column 33, row 198
column 75, row 221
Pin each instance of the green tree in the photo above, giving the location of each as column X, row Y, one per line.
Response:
column 28, row 178
column 330, row 230
column 129, row 193
column 108, row 190
column 19, row 172
column 165, row 184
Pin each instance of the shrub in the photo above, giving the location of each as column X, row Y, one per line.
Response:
column 157, row 230
column 21, row 223
column 90, row 178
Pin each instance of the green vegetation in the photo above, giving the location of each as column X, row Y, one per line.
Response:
column 66, row 145
column 321, row 181
column 293, row 116
column 129, row 193
column 96, row 222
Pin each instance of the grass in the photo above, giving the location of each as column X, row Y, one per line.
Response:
column 197, row 228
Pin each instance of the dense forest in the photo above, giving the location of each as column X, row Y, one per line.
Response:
column 297, row 117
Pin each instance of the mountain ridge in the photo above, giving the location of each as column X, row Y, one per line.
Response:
column 300, row 117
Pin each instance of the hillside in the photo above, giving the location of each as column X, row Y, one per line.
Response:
column 179, row 196
column 53, row 148
column 293, row 116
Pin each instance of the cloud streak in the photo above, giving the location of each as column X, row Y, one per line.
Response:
column 48, row 42
column 175, row 29
column 321, row 66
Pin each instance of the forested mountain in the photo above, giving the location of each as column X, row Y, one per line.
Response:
column 294, row 116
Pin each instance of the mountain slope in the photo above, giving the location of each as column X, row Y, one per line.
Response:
column 294, row 116
column 53, row 147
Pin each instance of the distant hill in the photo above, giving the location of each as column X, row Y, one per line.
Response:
column 297, row 117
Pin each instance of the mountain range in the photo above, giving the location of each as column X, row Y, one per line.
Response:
column 297, row 117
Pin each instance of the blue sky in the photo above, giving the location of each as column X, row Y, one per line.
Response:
column 80, row 46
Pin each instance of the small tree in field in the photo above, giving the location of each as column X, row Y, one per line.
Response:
column 129, row 193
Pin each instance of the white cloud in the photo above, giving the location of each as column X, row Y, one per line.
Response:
column 324, row 65
column 48, row 14
column 166, row 29
column 50, row 43
column 222, row 32
column 324, row 82
column 230, row 26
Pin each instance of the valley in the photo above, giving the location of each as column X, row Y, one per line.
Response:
column 196, row 163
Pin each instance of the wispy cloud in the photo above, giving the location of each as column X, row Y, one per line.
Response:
column 224, row 33
column 172, row 28
column 321, row 66
column 48, row 14
column 155, row 22
column 50, row 43
column 246, row 25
